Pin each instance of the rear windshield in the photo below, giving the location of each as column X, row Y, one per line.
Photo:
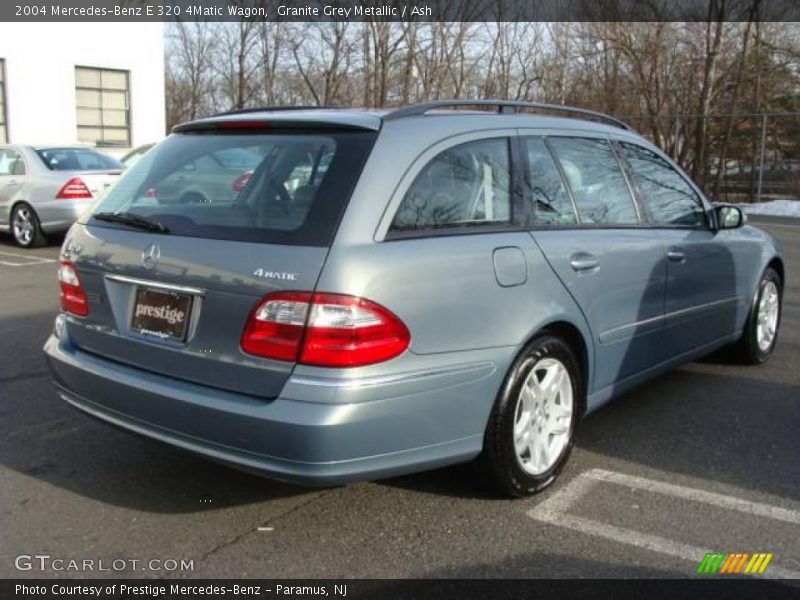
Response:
column 77, row 159
column 280, row 188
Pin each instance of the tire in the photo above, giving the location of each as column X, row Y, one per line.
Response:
column 754, row 347
column 25, row 227
column 516, row 474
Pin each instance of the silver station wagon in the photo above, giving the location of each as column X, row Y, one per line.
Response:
column 377, row 293
column 43, row 190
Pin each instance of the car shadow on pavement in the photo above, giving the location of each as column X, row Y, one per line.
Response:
column 54, row 240
column 41, row 436
column 732, row 429
column 61, row 447
column 722, row 427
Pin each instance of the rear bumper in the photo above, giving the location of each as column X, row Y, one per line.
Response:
column 59, row 215
column 302, row 441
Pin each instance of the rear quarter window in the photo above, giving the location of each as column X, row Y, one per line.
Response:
column 468, row 185
column 280, row 187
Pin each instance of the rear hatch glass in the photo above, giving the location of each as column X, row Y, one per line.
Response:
column 240, row 215
column 97, row 171
column 77, row 159
column 278, row 188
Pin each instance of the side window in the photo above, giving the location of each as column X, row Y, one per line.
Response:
column 550, row 203
column 464, row 186
column 11, row 163
column 5, row 162
column 596, row 180
column 670, row 198
column 308, row 172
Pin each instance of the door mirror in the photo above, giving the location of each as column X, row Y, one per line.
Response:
column 729, row 217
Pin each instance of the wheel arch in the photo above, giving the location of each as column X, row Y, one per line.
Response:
column 13, row 206
column 577, row 341
column 191, row 192
column 777, row 263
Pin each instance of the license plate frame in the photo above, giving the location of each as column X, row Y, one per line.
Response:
column 169, row 304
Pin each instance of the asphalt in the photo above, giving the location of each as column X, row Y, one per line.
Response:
column 73, row 488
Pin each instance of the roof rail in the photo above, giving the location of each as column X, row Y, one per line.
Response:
column 242, row 111
column 504, row 107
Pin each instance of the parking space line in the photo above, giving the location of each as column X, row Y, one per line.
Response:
column 554, row 509
column 32, row 260
column 668, row 489
column 32, row 264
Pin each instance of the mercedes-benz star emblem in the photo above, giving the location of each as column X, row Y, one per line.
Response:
column 151, row 255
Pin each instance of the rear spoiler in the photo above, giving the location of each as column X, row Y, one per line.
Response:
column 319, row 120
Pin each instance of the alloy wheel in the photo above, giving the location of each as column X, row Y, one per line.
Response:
column 23, row 226
column 767, row 318
column 543, row 416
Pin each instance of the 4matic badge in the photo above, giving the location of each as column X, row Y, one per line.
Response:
column 279, row 275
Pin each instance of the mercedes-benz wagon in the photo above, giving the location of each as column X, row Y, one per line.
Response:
column 350, row 295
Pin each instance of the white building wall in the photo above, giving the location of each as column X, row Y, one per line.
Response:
column 40, row 61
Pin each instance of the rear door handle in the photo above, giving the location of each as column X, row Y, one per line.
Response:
column 676, row 255
column 582, row 261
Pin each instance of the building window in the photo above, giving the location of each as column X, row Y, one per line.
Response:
column 3, row 118
column 101, row 97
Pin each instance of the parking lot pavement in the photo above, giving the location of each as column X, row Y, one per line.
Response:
column 702, row 459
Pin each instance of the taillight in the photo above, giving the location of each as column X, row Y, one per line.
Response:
column 74, row 189
column 275, row 327
column 241, row 181
column 344, row 331
column 324, row 330
column 71, row 294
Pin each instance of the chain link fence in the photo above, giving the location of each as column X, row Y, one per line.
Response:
column 751, row 157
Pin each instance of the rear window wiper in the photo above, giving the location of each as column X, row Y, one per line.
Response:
column 132, row 220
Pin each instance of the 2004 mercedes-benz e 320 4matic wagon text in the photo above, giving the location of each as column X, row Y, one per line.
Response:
column 377, row 293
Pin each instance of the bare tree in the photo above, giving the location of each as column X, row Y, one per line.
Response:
column 382, row 45
column 189, row 76
column 272, row 39
column 672, row 80
column 512, row 64
column 237, row 63
column 324, row 61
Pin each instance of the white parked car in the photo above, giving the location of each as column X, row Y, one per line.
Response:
column 43, row 190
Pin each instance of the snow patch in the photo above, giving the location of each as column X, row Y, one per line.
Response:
column 777, row 208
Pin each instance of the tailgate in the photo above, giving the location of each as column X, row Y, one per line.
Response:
column 213, row 279
column 176, row 301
